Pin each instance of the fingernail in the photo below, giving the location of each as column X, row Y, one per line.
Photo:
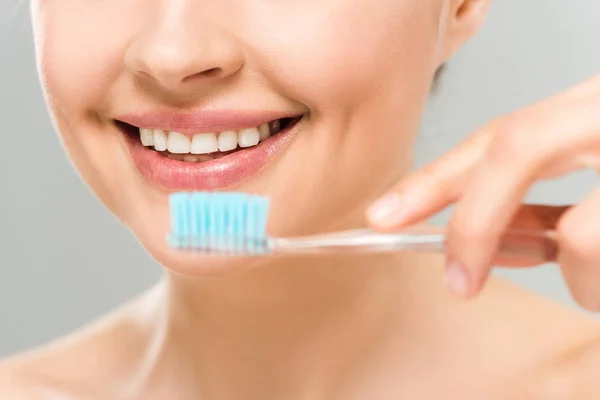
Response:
column 385, row 210
column 457, row 278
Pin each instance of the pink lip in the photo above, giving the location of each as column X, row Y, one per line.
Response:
column 222, row 173
column 204, row 121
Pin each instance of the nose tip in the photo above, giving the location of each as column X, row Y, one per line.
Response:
column 176, row 60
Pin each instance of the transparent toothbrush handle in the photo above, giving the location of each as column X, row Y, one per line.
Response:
column 528, row 247
column 517, row 246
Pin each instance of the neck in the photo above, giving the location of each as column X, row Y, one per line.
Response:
column 289, row 326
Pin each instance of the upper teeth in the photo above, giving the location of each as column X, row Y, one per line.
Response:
column 206, row 143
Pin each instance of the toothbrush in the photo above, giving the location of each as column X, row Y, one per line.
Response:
column 221, row 223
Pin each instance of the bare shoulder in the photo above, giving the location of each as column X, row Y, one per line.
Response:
column 20, row 381
column 579, row 370
column 48, row 373
column 18, row 384
column 83, row 364
column 572, row 373
column 40, row 374
column 552, row 323
column 561, row 344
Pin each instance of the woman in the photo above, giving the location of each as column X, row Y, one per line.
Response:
column 150, row 96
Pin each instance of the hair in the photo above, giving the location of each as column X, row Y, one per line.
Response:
column 437, row 76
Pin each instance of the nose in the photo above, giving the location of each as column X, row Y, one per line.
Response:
column 180, row 50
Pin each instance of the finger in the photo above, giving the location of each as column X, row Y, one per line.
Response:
column 538, row 217
column 579, row 256
column 429, row 190
column 440, row 183
column 524, row 146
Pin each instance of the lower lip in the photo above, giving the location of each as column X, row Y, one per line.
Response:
column 230, row 170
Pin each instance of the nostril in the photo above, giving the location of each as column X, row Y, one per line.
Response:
column 211, row 72
column 204, row 74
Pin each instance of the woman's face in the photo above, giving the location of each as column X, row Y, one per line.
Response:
column 346, row 79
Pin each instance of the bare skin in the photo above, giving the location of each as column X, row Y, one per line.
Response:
column 325, row 328
column 507, row 344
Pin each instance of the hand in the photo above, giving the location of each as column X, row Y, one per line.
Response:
column 488, row 177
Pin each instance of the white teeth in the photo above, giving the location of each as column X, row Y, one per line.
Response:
column 205, row 157
column 228, row 140
column 248, row 137
column 178, row 143
column 160, row 140
column 275, row 127
column 147, row 137
column 264, row 131
column 205, row 143
column 190, row 158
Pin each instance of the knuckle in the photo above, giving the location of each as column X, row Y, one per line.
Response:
column 466, row 229
column 443, row 190
column 510, row 140
column 433, row 184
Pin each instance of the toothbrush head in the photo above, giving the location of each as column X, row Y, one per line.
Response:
column 219, row 223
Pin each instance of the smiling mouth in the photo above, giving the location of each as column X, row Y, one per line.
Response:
column 206, row 146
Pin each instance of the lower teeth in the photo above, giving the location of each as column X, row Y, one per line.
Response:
column 191, row 158
column 195, row 158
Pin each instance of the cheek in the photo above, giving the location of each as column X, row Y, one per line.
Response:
column 76, row 74
column 365, row 72
column 342, row 55
column 78, row 53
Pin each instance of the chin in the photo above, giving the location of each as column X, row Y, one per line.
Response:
column 194, row 265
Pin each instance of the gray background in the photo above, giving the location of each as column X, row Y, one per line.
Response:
column 65, row 260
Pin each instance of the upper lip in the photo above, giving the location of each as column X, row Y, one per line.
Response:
column 203, row 121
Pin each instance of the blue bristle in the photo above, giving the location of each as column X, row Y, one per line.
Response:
column 212, row 209
column 188, row 223
column 179, row 219
column 261, row 226
column 249, row 228
column 220, row 231
column 204, row 209
column 191, row 212
column 175, row 202
column 220, row 200
column 256, row 223
column 197, row 216
column 235, row 232
column 234, row 222
column 241, row 227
